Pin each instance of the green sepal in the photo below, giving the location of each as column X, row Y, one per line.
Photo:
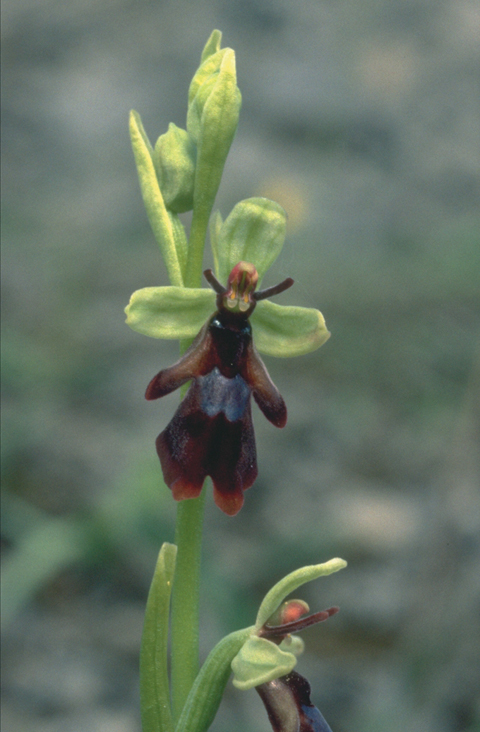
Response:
column 169, row 312
column 281, row 330
column 174, row 159
column 206, row 693
column 253, row 232
column 160, row 221
column 154, row 686
column 258, row 661
column 290, row 583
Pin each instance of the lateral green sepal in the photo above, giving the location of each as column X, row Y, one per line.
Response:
column 169, row 312
column 258, row 661
column 285, row 330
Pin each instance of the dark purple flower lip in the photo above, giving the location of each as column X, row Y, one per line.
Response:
column 211, row 432
column 288, row 705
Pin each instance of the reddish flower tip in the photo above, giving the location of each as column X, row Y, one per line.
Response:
column 242, row 282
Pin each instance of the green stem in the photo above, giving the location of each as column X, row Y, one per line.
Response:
column 198, row 233
column 185, row 600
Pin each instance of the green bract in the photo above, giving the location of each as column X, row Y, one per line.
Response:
column 260, row 660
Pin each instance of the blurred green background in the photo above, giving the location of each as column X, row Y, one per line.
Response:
column 362, row 119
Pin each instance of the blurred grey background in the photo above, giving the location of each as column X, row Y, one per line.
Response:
column 362, row 119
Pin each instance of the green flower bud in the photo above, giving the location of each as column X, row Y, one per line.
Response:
column 201, row 86
column 174, row 159
column 260, row 659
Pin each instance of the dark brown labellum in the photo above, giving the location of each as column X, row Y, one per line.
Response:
column 288, row 705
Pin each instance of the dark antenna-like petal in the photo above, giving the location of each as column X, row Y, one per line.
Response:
column 214, row 283
column 275, row 290
column 278, row 631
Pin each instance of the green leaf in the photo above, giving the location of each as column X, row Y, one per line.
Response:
column 212, row 45
column 174, row 159
column 253, row 232
column 258, row 661
column 154, row 687
column 290, row 583
column 280, row 330
column 157, row 213
column 207, row 691
column 169, row 312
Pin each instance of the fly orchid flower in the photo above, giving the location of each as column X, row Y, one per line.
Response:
column 261, row 657
column 266, row 660
column 287, row 699
column 211, row 432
